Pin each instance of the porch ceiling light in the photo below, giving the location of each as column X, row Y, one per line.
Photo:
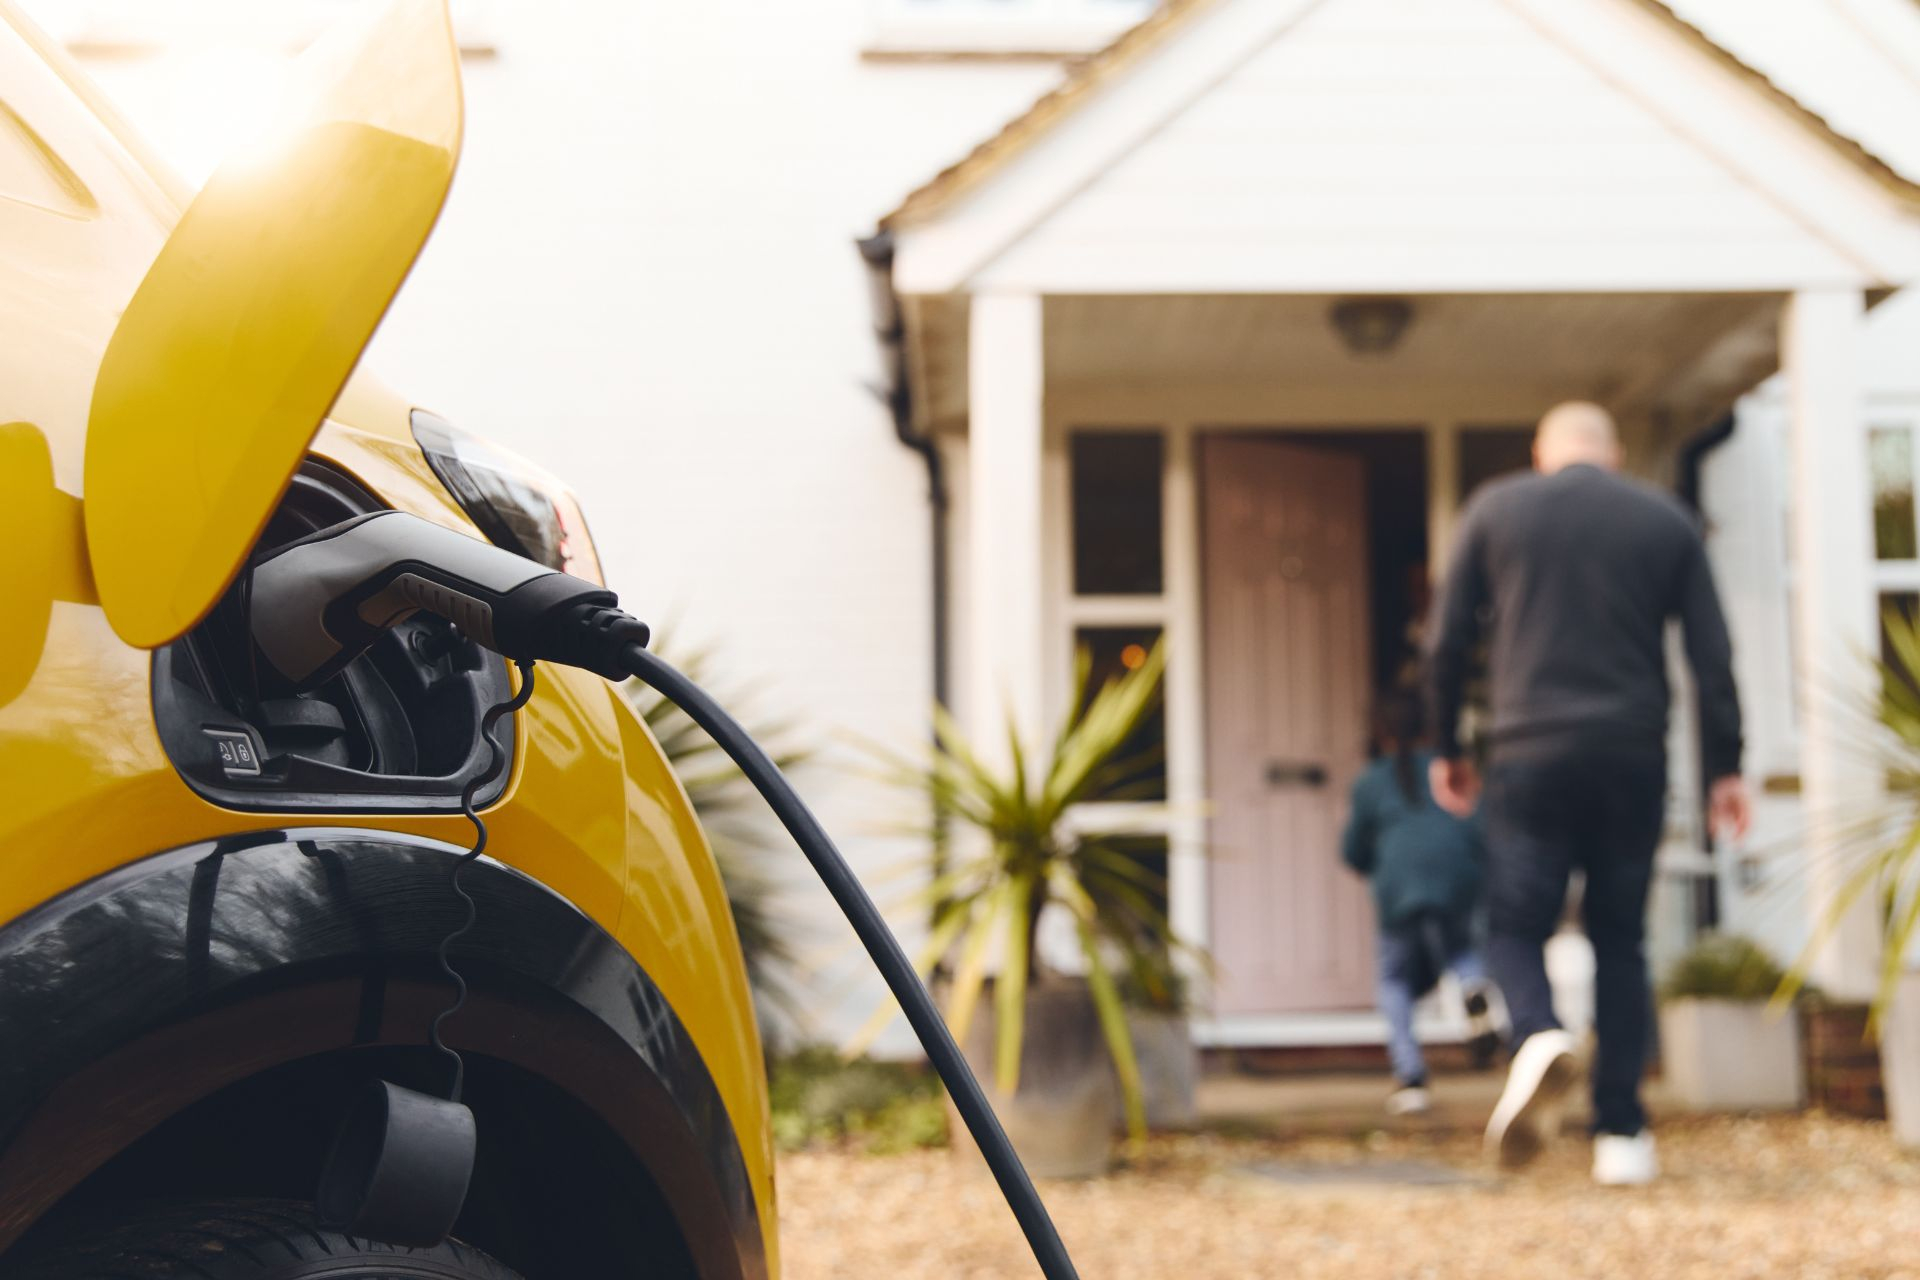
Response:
column 1371, row 326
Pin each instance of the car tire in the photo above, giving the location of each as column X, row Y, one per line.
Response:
column 241, row 1240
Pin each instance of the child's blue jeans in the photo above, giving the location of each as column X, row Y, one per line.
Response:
column 1411, row 958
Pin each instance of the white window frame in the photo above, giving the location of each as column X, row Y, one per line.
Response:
column 1887, row 415
column 1177, row 818
column 1880, row 412
column 1127, row 817
column 1895, row 575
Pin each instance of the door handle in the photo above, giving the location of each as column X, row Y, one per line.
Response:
column 1284, row 773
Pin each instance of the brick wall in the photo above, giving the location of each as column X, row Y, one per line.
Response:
column 1843, row 1061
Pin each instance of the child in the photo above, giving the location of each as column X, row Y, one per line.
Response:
column 1425, row 869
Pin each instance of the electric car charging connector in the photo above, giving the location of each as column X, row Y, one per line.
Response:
column 317, row 604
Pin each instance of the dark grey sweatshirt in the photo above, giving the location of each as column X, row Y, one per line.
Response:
column 1575, row 575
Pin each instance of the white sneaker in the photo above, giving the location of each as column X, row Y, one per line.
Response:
column 1624, row 1162
column 1409, row 1100
column 1527, row 1116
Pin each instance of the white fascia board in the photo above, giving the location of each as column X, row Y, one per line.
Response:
column 944, row 254
column 1732, row 120
column 1197, row 265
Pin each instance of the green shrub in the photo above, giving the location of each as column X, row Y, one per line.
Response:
column 879, row 1107
column 1724, row 967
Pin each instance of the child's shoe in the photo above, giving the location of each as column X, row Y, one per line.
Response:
column 1410, row 1099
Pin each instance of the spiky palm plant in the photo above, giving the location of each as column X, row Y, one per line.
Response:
column 1028, row 856
column 1881, row 844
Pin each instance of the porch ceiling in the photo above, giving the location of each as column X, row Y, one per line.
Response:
column 1671, row 359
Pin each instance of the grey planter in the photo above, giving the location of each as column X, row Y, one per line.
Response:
column 1169, row 1069
column 1061, row 1117
column 1900, row 1060
column 1731, row 1055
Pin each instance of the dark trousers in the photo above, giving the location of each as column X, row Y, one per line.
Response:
column 1599, row 812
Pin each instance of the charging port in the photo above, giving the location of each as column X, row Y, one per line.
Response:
column 397, row 730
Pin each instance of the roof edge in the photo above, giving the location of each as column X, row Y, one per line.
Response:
column 1083, row 81
column 1871, row 163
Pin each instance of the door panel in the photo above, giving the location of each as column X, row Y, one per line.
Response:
column 1287, row 664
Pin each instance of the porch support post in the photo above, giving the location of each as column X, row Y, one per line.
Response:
column 1185, row 687
column 1835, row 614
column 1005, row 380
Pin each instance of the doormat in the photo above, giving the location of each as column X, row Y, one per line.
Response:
column 1362, row 1173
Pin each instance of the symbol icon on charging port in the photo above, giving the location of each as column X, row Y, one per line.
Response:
column 235, row 752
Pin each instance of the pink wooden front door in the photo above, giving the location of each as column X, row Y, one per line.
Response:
column 1287, row 671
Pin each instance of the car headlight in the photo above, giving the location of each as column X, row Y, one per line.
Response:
column 515, row 504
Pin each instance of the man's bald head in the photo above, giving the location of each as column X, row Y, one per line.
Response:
column 1576, row 432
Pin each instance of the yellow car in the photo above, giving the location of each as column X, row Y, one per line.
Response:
column 221, row 894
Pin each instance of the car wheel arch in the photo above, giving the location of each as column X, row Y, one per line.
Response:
column 155, row 988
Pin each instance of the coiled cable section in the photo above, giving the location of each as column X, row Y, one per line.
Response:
column 467, row 794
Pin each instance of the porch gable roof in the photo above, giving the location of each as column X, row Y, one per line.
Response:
column 956, row 230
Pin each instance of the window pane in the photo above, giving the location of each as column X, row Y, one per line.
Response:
column 1890, row 462
column 1112, row 651
column 1116, row 513
column 1486, row 452
column 1135, row 900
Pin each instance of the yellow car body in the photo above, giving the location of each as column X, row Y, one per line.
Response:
column 167, row 361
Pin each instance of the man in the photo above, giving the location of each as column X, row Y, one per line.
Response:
column 1574, row 572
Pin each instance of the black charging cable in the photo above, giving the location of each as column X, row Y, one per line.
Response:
column 467, row 795
column 904, row 981
column 363, row 574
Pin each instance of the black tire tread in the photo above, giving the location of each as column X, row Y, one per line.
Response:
column 240, row 1240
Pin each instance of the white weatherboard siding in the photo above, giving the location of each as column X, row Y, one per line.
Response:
column 1419, row 147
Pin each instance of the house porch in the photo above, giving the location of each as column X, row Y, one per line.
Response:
column 1085, row 435
column 1255, row 231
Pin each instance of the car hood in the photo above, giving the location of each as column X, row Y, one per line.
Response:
column 255, row 311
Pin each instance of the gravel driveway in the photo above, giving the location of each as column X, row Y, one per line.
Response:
column 1801, row 1197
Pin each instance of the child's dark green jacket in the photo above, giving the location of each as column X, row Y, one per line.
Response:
column 1419, row 857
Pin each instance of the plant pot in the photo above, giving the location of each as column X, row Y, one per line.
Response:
column 1061, row 1118
column 1731, row 1055
column 1169, row 1069
column 1900, row 1060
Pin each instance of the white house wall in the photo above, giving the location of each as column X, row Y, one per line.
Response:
column 1418, row 147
